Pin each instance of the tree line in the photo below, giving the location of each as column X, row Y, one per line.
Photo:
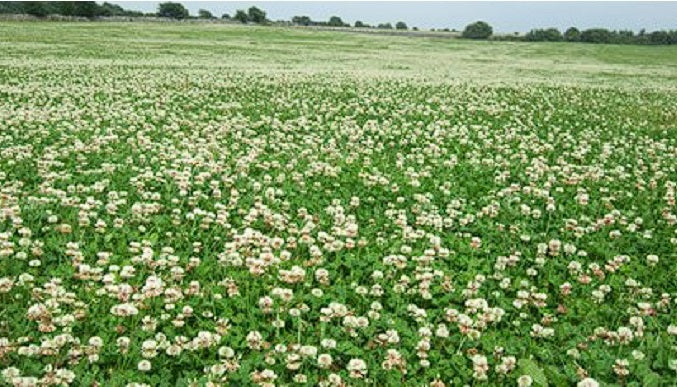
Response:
column 87, row 9
column 476, row 30
column 601, row 35
column 482, row 30
column 335, row 21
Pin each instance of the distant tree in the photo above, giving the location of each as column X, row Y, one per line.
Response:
column 414, row 28
column 204, row 14
column 225, row 16
column 659, row 37
column 673, row 36
column 35, row 8
column 108, row 9
column 256, row 15
column 172, row 10
column 553, row 35
column 301, row 20
column 624, row 37
column 88, row 9
column 241, row 16
column 596, row 35
column 385, row 26
column 400, row 25
column 359, row 24
column 336, row 21
column 543, row 35
column 11, row 7
column 572, row 34
column 477, row 30
column 65, row 8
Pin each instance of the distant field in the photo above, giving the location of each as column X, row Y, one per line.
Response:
column 218, row 46
column 234, row 205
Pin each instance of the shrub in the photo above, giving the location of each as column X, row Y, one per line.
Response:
column 477, row 30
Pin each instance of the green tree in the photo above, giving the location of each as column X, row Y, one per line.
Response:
column 65, row 8
column 256, row 15
column 12, row 7
column 35, row 8
column 172, row 10
column 596, row 35
column 301, row 20
column 204, row 14
column 241, row 16
column 400, row 25
column 336, row 21
column 572, row 34
column 108, row 9
column 544, row 35
column 477, row 30
column 385, row 26
column 88, row 9
column 359, row 24
column 660, row 37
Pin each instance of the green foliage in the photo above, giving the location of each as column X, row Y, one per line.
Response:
column 495, row 218
column 544, row 35
column 35, row 8
column 572, row 34
column 477, row 30
column 204, row 14
column 336, row 21
column 241, row 16
column 529, row 367
column 301, row 20
column 172, row 10
column 256, row 15
column 596, row 35
column 108, row 9
column 400, row 25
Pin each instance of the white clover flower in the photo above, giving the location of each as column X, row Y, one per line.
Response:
column 672, row 330
column 357, row 368
column 524, row 381
column 144, row 366
column 588, row 382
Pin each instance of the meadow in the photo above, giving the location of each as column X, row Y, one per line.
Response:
column 205, row 204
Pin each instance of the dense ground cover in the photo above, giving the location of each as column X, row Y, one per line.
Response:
column 188, row 203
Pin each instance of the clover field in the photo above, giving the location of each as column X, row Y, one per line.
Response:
column 186, row 204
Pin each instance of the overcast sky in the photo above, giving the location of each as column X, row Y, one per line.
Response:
column 503, row 16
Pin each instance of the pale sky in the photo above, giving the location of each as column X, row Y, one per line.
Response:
column 503, row 16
